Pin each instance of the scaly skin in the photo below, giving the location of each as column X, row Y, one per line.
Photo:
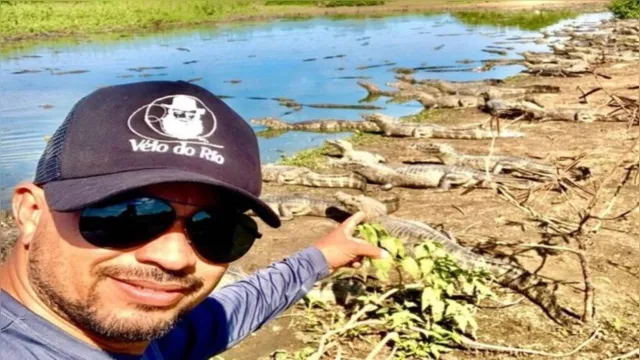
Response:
column 293, row 175
column 324, row 125
column 392, row 128
column 495, row 164
column 439, row 176
column 536, row 289
column 297, row 204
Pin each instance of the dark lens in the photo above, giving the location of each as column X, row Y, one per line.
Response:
column 222, row 238
column 126, row 223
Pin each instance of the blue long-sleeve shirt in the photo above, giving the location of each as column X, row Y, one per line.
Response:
column 222, row 320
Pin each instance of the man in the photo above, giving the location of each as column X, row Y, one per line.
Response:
column 126, row 230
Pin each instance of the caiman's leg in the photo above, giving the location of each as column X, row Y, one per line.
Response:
column 497, row 169
column 285, row 212
column 451, row 179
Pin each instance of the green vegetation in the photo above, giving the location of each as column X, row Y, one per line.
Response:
column 427, row 307
column 21, row 19
column 326, row 3
column 625, row 9
column 24, row 18
column 309, row 158
column 313, row 158
column 526, row 20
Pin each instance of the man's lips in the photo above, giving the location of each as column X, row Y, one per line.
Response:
column 151, row 293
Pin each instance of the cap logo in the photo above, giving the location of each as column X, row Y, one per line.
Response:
column 180, row 124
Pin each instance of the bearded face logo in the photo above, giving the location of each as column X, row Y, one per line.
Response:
column 183, row 118
column 175, row 118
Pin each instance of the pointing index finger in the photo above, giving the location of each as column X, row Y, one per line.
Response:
column 352, row 222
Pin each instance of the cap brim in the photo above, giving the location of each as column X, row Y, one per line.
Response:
column 75, row 194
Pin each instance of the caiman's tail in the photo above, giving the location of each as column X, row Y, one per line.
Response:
column 350, row 181
column 491, row 180
column 475, row 134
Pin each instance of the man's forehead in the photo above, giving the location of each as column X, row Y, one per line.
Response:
column 195, row 194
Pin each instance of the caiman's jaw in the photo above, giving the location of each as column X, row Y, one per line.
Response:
column 370, row 207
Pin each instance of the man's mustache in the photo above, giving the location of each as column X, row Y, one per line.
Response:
column 190, row 282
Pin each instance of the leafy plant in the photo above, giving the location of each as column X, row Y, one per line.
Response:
column 625, row 9
column 424, row 302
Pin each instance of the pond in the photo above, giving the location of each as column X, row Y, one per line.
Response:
column 313, row 61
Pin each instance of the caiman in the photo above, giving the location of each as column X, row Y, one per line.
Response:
column 536, row 289
column 497, row 163
column 323, row 125
column 533, row 111
column 390, row 127
column 288, row 206
column 443, row 177
column 294, row 175
column 350, row 154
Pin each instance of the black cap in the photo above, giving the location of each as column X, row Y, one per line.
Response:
column 123, row 137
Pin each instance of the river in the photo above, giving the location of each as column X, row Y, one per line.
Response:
column 312, row 61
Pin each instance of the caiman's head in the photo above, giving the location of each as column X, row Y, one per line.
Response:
column 433, row 148
column 406, row 78
column 341, row 145
column 370, row 87
column 370, row 207
column 378, row 119
column 271, row 123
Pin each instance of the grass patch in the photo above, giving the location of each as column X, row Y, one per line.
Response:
column 425, row 116
column 24, row 18
column 326, row 3
column 526, row 20
column 625, row 9
column 315, row 158
column 308, row 158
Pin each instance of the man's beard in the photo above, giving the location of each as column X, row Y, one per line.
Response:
column 86, row 315
column 181, row 129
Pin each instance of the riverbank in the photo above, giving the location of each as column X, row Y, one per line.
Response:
column 23, row 23
column 483, row 221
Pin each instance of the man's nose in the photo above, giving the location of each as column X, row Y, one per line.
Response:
column 170, row 250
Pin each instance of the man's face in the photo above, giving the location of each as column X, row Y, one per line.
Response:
column 124, row 295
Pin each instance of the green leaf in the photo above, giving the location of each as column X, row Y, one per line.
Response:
column 401, row 250
column 451, row 289
column 420, row 252
column 389, row 244
column 411, row 266
column 437, row 310
column 461, row 321
column 426, row 265
column 382, row 268
column 429, row 296
column 473, row 325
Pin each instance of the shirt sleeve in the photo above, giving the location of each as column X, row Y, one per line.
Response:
column 235, row 311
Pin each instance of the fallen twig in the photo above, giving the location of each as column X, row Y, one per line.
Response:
column 488, row 347
column 627, row 355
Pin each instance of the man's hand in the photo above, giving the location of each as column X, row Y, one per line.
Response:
column 340, row 248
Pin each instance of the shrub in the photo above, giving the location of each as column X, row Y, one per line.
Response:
column 625, row 9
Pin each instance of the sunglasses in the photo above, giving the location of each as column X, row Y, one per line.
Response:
column 218, row 235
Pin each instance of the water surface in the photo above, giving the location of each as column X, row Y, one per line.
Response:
column 311, row 61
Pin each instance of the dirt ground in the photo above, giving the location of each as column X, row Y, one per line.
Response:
column 481, row 215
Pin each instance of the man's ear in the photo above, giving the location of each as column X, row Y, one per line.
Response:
column 28, row 203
